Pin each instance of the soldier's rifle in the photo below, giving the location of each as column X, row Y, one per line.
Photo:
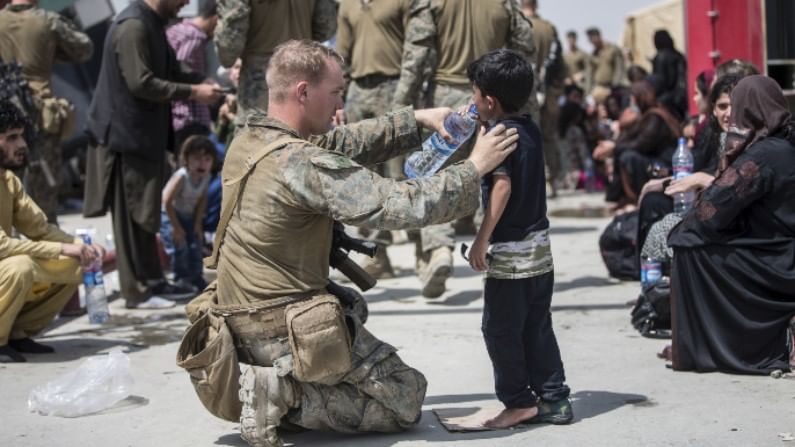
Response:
column 341, row 246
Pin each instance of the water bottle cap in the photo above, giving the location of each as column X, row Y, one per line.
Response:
column 682, row 141
column 473, row 111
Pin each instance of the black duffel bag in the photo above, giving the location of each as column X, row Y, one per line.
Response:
column 651, row 315
column 618, row 245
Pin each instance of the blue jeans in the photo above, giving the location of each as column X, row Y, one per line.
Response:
column 186, row 258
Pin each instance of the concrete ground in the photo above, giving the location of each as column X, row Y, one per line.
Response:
column 623, row 394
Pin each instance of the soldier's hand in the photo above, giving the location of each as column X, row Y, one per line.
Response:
column 339, row 118
column 206, row 93
column 492, row 147
column 433, row 119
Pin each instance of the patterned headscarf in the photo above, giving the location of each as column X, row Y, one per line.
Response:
column 759, row 110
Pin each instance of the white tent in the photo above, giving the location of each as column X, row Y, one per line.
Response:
column 639, row 27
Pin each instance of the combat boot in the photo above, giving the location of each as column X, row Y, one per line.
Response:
column 266, row 398
column 379, row 266
column 435, row 273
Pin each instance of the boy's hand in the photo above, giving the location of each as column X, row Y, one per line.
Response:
column 491, row 148
column 477, row 255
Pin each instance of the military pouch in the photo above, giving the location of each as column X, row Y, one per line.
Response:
column 319, row 340
column 57, row 117
column 207, row 352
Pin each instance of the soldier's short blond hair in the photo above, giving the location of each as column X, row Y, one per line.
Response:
column 295, row 61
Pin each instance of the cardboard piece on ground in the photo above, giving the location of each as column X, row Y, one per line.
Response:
column 467, row 419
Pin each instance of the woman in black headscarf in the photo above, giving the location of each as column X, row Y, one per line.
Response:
column 670, row 69
column 733, row 280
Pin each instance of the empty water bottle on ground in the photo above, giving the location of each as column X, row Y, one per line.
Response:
column 683, row 167
column 435, row 150
column 96, row 299
column 590, row 176
column 650, row 271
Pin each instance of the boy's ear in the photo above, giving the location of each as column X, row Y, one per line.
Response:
column 492, row 103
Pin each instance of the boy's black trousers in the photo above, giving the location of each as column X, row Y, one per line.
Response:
column 517, row 327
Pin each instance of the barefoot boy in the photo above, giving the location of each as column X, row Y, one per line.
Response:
column 517, row 324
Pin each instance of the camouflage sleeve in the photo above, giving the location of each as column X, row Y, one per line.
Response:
column 324, row 20
column 520, row 39
column 419, row 50
column 332, row 184
column 520, row 34
column 72, row 45
column 344, row 42
column 374, row 140
column 231, row 31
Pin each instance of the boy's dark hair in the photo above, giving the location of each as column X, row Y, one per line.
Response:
column 10, row 116
column 197, row 145
column 505, row 75
column 593, row 31
column 571, row 33
column 208, row 9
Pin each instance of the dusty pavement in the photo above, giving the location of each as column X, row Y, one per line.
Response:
column 623, row 394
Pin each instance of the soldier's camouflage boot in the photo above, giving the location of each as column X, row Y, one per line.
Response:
column 435, row 273
column 379, row 266
column 266, row 398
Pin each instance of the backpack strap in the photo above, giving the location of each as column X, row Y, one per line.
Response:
column 233, row 190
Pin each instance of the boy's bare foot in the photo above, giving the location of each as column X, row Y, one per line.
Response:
column 510, row 417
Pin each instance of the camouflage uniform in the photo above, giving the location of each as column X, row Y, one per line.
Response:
column 277, row 244
column 36, row 39
column 251, row 29
column 387, row 47
column 545, row 36
column 453, row 90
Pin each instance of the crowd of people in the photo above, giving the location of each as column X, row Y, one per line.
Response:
column 254, row 170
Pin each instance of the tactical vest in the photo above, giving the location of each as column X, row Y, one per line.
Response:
column 273, row 22
column 27, row 40
column 118, row 119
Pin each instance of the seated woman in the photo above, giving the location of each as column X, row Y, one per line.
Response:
column 651, row 139
column 733, row 278
column 656, row 216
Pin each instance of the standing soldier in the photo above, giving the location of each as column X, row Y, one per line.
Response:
column 36, row 39
column 387, row 46
column 551, row 73
column 251, row 29
column 576, row 59
column 606, row 69
column 465, row 30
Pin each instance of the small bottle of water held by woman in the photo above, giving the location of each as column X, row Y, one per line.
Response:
column 683, row 167
column 435, row 150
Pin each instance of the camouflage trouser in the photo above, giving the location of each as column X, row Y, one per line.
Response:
column 38, row 182
column 252, row 93
column 453, row 96
column 369, row 98
column 550, row 114
column 380, row 393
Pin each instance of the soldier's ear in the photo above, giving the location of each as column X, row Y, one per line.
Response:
column 301, row 91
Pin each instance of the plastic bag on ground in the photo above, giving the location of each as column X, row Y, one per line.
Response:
column 97, row 384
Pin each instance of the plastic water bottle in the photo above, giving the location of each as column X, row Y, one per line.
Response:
column 682, row 167
column 96, row 299
column 435, row 150
column 650, row 271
